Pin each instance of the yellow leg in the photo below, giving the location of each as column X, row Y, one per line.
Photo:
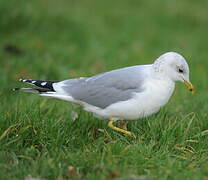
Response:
column 110, row 125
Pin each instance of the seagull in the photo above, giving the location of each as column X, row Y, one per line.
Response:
column 128, row 93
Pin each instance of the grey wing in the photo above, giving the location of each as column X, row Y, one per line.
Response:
column 105, row 89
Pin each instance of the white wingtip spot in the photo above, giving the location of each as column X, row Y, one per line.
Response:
column 24, row 80
column 43, row 83
column 33, row 82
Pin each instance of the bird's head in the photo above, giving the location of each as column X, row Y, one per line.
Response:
column 173, row 66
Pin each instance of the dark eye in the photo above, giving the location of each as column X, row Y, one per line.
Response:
column 180, row 70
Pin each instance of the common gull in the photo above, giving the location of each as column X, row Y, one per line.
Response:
column 123, row 94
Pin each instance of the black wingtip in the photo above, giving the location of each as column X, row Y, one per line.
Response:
column 24, row 80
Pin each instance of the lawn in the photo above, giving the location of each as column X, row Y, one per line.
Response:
column 56, row 40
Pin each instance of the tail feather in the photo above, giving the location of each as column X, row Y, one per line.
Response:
column 34, row 90
column 45, row 88
column 39, row 83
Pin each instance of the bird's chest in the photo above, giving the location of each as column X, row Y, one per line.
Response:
column 156, row 94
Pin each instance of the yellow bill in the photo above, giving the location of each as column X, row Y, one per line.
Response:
column 189, row 86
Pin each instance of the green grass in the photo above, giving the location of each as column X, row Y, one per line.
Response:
column 65, row 39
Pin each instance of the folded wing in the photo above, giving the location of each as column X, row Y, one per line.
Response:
column 104, row 89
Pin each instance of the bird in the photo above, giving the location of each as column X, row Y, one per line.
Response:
column 128, row 93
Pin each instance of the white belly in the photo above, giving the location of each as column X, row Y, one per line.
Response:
column 156, row 94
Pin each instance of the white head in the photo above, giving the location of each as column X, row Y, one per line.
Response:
column 173, row 66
